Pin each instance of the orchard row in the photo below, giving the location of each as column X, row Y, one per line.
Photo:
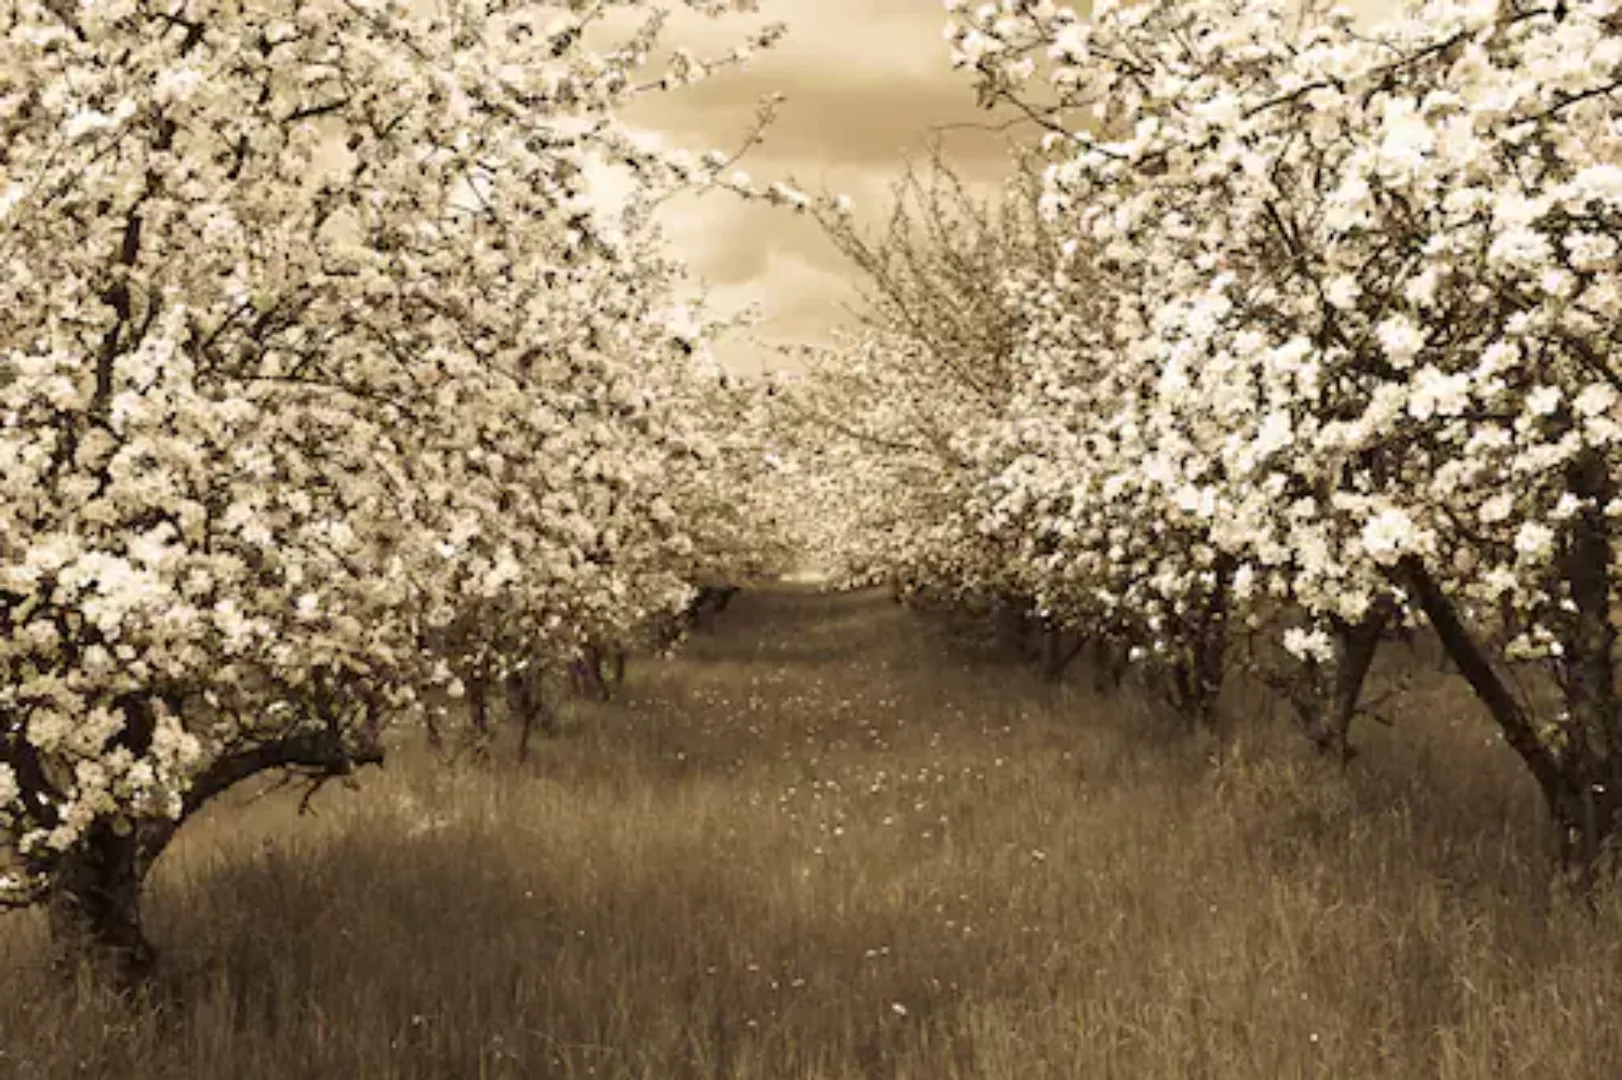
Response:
column 331, row 383
column 1288, row 327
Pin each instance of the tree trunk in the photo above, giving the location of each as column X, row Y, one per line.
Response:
column 1067, row 656
column 1330, row 729
column 599, row 679
column 1056, row 654
column 1582, row 783
column 532, row 709
column 1030, row 635
column 94, row 905
column 536, row 712
column 478, row 700
column 1180, row 692
column 1592, row 755
column 1198, row 676
column 586, row 674
column 1110, row 660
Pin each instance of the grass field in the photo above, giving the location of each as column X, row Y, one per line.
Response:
column 839, row 839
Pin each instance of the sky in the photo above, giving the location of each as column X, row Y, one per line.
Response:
column 864, row 83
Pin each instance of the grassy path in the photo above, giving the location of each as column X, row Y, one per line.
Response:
column 835, row 839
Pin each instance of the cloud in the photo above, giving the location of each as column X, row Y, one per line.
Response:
column 803, row 301
column 797, row 301
column 865, row 83
column 727, row 240
column 846, row 35
column 856, row 120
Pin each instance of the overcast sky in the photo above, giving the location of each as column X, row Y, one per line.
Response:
column 865, row 81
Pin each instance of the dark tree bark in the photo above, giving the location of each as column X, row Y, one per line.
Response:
column 94, row 906
column 1328, row 720
column 710, row 602
column 93, row 903
column 1111, row 659
column 1580, row 772
column 1060, row 651
column 478, row 701
column 1592, row 755
column 586, row 674
column 1198, row 671
column 532, row 708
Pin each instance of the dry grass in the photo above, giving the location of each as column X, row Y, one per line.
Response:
column 836, row 841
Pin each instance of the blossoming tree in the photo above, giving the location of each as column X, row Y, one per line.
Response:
column 898, row 414
column 1371, row 277
column 313, row 340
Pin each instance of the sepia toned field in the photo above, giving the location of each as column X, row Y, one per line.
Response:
column 839, row 839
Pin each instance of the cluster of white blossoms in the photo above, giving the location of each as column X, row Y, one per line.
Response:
column 324, row 368
column 890, row 427
column 866, row 472
column 1359, row 282
column 1329, row 326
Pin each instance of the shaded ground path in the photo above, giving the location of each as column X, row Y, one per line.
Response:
column 863, row 632
column 792, row 670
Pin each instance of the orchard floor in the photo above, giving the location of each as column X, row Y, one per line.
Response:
column 838, row 839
